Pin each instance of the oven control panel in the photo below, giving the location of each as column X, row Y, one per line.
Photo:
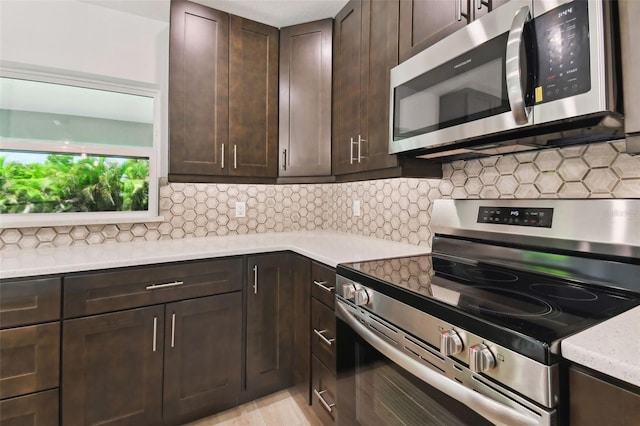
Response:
column 519, row 216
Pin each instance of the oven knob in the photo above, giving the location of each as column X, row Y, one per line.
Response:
column 450, row 343
column 480, row 358
column 361, row 297
column 348, row 291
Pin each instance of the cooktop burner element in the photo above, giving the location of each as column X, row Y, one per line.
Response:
column 511, row 303
column 565, row 292
column 484, row 274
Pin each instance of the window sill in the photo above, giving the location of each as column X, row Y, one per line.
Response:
column 33, row 220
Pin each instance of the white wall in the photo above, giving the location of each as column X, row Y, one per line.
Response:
column 85, row 38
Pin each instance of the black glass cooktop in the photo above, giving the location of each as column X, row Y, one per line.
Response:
column 545, row 309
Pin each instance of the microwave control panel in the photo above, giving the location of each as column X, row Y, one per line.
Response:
column 519, row 216
column 562, row 36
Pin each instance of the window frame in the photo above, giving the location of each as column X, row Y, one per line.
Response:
column 89, row 81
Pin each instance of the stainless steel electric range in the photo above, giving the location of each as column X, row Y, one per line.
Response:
column 472, row 334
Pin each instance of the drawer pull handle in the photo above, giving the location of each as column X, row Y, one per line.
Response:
column 166, row 285
column 320, row 334
column 322, row 285
column 327, row 406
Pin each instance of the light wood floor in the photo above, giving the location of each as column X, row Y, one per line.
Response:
column 281, row 408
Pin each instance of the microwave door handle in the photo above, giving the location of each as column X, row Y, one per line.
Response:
column 515, row 91
column 486, row 407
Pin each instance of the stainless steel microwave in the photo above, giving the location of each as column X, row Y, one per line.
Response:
column 530, row 74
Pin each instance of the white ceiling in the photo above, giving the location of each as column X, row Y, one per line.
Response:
column 278, row 13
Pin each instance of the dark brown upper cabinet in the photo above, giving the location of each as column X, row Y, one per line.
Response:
column 305, row 99
column 253, row 99
column 198, row 90
column 365, row 49
column 425, row 22
column 223, row 96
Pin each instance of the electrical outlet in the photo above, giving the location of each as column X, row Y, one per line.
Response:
column 241, row 209
column 356, row 208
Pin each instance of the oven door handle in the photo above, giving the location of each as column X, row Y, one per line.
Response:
column 486, row 407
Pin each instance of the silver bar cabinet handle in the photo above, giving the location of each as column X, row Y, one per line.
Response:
column 155, row 332
column 360, row 140
column 327, row 406
column 351, row 152
column 284, row 160
column 173, row 330
column 459, row 14
column 320, row 333
column 255, row 279
column 480, row 3
column 512, row 65
column 322, row 285
column 235, row 156
column 166, row 285
column 222, row 158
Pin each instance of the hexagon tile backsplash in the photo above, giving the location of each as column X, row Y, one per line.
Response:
column 393, row 209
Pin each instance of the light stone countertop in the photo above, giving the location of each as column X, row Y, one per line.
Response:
column 611, row 347
column 326, row 247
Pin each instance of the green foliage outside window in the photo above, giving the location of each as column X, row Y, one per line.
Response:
column 64, row 183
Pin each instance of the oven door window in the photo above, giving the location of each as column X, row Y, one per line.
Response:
column 373, row 391
column 469, row 87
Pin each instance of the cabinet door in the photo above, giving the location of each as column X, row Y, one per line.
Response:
column 347, row 80
column 300, row 268
column 269, row 325
column 198, row 89
column 112, row 368
column 29, row 359
column 380, row 38
column 36, row 409
column 202, row 366
column 305, row 99
column 595, row 401
column 253, row 99
column 29, row 301
column 424, row 22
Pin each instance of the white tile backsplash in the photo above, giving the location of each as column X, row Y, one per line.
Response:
column 394, row 209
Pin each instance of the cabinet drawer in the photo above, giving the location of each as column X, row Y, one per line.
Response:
column 29, row 301
column 29, row 359
column 134, row 287
column 38, row 409
column 324, row 284
column 323, row 392
column 323, row 334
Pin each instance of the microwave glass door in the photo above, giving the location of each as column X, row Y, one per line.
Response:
column 467, row 88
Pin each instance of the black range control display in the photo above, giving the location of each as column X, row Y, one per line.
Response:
column 519, row 216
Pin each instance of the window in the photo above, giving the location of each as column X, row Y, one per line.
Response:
column 75, row 150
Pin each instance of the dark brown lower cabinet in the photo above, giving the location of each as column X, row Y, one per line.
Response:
column 323, row 393
column 597, row 401
column 112, row 368
column 151, row 365
column 269, row 310
column 202, row 364
column 36, row 409
column 29, row 359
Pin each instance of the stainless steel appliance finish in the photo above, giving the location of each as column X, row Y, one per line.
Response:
column 533, row 379
column 421, row 123
column 482, row 319
column 629, row 36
